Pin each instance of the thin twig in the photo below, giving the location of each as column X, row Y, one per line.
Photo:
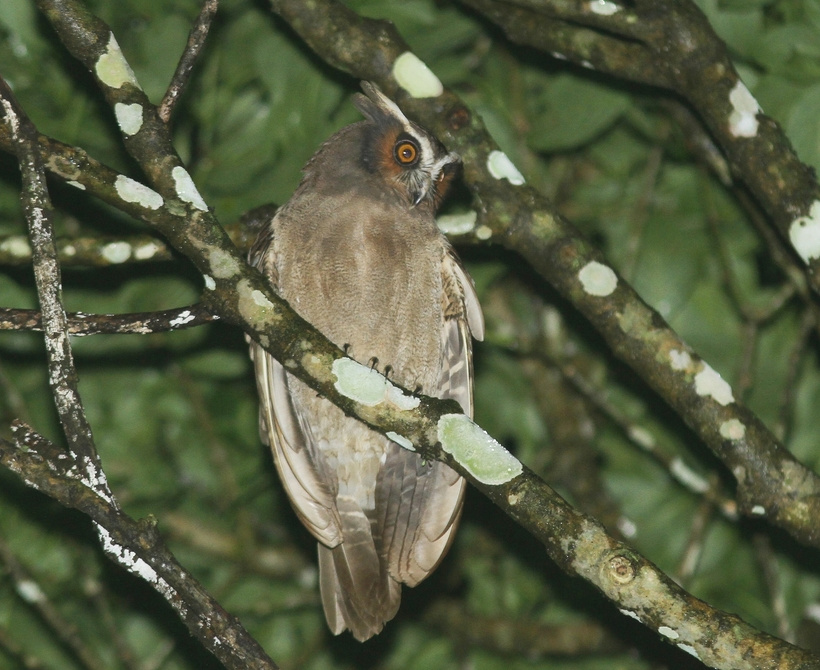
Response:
column 785, row 404
column 767, row 559
column 196, row 42
column 62, row 373
column 141, row 323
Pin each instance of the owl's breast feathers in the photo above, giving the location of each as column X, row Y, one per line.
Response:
column 371, row 281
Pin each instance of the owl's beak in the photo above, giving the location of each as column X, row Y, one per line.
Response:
column 433, row 183
column 421, row 189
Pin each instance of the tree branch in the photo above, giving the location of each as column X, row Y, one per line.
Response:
column 140, row 323
column 136, row 545
column 62, row 373
column 196, row 42
column 670, row 44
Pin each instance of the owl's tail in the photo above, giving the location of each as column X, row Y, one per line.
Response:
column 357, row 591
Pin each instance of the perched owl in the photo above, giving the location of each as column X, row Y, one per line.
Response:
column 357, row 253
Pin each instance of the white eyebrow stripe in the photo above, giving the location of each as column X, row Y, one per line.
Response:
column 426, row 148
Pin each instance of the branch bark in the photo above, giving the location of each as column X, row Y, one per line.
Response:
column 139, row 323
column 136, row 545
column 670, row 44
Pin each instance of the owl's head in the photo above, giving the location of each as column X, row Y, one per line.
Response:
column 409, row 158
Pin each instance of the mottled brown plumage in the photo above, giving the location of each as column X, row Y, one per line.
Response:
column 357, row 253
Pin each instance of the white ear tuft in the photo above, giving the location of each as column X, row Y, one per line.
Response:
column 377, row 102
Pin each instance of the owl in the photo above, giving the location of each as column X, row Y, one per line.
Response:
column 356, row 252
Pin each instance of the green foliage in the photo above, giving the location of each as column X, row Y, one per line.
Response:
column 174, row 415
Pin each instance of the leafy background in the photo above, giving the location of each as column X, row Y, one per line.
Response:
column 174, row 415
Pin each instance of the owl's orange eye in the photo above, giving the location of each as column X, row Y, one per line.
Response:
column 406, row 151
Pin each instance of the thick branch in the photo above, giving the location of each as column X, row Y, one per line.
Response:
column 670, row 44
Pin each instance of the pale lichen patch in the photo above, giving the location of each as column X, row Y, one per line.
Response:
column 679, row 360
column 400, row 440
column 758, row 510
column 181, row 319
column 804, row 234
column 134, row 564
column 112, row 68
column 709, row 383
column 398, row 398
column 603, row 7
column 223, row 264
column 630, row 613
column 484, row 458
column 261, row 299
column 254, row 306
column 457, row 224
column 116, row 252
column 132, row 191
column 145, row 251
column 367, row 386
column 94, row 478
column 671, row 633
column 210, row 284
column 76, row 184
column 484, row 233
column 689, row 649
column 733, row 429
column 314, row 366
column 415, row 77
column 501, row 167
column 359, row 382
column 129, row 117
column 186, row 189
column 598, row 279
column 743, row 118
column 687, row 476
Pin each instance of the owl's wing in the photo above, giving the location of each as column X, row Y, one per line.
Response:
column 421, row 502
column 462, row 319
column 297, row 461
